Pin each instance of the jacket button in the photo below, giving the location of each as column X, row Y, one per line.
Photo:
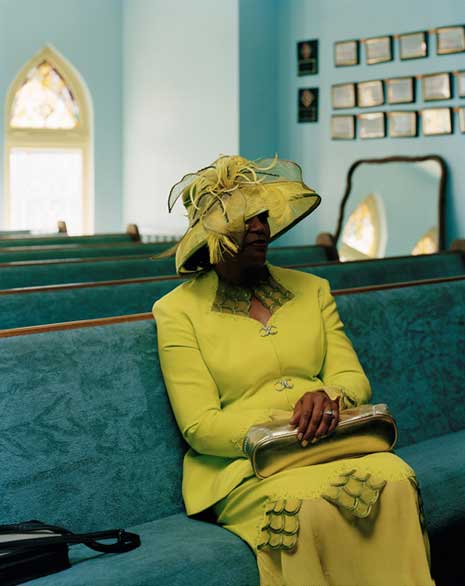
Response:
column 284, row 383
column 268, row 331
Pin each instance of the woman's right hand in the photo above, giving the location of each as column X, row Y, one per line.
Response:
column 316, row 416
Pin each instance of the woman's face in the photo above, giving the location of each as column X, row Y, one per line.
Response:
column 255, row 243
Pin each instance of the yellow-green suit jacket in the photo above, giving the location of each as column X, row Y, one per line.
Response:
column 224, row 373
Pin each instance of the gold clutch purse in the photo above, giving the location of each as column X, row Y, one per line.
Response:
column 366, row 429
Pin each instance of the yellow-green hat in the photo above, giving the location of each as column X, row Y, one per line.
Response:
column 220, row 198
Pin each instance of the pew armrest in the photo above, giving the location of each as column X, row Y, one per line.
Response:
column 326, row 239
column 133, row 231
column 458, row 244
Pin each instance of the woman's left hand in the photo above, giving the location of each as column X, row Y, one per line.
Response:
column 316, row 416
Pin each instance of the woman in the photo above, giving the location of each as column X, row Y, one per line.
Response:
column 244, row 342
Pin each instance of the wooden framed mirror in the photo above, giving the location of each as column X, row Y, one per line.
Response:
column 392, row 206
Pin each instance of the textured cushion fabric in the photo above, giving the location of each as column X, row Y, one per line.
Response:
column 82, row 271
column 107, row 270
column 77, row 251
column 439, row 464
column 175, row 551
column 53, row 306
column 60, row 239
column 87, row 437
column 390, row 270
column 285, row 256
column 104, row 301
column 293, row 255
column 411, row 343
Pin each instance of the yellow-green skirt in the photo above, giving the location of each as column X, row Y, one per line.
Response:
column 353, row 522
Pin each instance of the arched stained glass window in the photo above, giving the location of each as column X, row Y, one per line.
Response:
column 428, row 243
column 44, row 101
column 364, row 235
column 48, row 146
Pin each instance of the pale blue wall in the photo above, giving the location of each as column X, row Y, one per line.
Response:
column 88, row 34
column 181, row 101
column 325, row 162
column 258, row 105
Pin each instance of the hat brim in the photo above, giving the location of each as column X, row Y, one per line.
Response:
column 302, row 201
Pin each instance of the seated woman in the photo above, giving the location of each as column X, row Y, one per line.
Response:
column 244, row 342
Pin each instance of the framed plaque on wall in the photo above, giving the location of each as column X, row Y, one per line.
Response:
column 372, row 125
column 308, row 104
column 450, row 39
column 343, row 95
column 342, row 127
column 307, row 57
column 400, row 90
column 346, row 53
column 436, row 121
column 378, row 49
column 370, row 93
column 436, row 86
column 402, row 124
column 413, row 45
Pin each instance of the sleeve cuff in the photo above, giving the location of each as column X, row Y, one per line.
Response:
column 335, row 391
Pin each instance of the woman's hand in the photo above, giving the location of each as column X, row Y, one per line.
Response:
column 315, row 415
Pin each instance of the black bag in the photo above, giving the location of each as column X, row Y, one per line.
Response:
column 33, row 549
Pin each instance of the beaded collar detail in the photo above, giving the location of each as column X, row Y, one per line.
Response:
column 237, row 299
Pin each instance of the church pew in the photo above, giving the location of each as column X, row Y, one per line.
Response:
column 361, row 273
column 13, row 233
column 131, row 235
column 35, row 273
column 71, row 251
column 281, row 255
column 104, row 424
column 59, row 303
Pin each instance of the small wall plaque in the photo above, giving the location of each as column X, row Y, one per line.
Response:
column 413, row 45
column 370, row 93
column 378, row 49
column 450, row 39
column 372, row 125
column 343, row 95
column 307, row 57
column 436, row 121
column 342, row 127
column 436, row 86
column 308, row 104
column 346, row 53
column 400, row 90
column 402, row 124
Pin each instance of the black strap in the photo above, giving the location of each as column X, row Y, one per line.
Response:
column 125, row 541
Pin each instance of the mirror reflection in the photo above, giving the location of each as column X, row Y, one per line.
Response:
column 392, row 207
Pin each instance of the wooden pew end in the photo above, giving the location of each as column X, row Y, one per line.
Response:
column 326, row 239
column 133, row 231
column 62, row 228
column 458, row 244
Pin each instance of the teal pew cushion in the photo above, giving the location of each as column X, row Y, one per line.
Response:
column 175, row 551
column 78, row 251
column 83, row 272
column 80, row 271
column 390, row 270
column 87, row 436
column 53, row 306
column 294, row 255
column 411, row 343
column 439, row 464
column 60, row 239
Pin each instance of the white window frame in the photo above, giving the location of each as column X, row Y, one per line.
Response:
column 79, row 137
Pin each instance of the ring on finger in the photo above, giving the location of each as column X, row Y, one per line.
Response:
column 329, row 413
